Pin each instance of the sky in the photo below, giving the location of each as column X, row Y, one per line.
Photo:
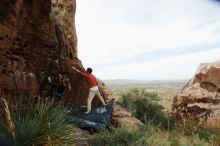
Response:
column 147, row 39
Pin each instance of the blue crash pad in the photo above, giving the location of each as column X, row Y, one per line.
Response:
column 96, row 120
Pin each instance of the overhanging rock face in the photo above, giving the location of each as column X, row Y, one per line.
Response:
column 200, row 97
column 33, row 46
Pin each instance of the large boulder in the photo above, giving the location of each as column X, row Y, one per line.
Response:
column 200, row 97
column 123, row 118
column 34, row 45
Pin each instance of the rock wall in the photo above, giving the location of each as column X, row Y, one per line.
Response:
column 33, row 46
column 200, row 97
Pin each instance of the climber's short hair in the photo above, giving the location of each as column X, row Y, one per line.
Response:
column 89, row 70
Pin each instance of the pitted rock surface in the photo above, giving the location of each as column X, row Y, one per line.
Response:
column 200, row 97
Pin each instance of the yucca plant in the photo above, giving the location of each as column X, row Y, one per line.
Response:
column 38, row 123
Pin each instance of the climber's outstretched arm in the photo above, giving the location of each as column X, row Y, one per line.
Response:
column 80, row 72
column 76, row 69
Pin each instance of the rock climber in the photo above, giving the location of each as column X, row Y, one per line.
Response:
column 93, row 88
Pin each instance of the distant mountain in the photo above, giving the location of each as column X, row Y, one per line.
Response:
column 141, row 82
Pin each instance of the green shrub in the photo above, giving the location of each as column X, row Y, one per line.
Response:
column 215, row 131
column 144, row 106
column 128, row 99
column 59, row 13
column 148, row 135
column 39, row 123
column 55, row 16
column 120, row 137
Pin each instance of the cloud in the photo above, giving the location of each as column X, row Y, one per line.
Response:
column 178, row 67
column 111, row 32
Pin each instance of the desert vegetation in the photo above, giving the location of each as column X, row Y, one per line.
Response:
column 166, row 90
column 38, row 123
column 44, row 122
column 59, row 14
column 161, row 128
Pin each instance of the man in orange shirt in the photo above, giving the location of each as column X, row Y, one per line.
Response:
column 93, row 88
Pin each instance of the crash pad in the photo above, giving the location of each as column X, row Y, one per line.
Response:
column 96, row 120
